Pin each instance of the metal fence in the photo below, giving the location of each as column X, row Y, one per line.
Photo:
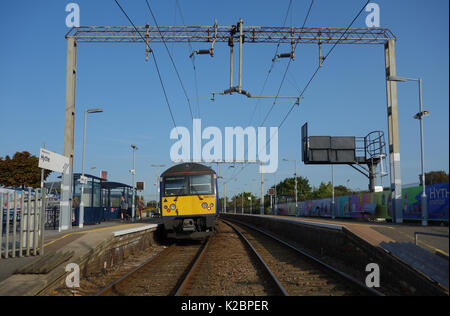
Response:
column 21, row 223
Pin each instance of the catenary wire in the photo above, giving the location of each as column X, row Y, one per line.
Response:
column 193, row 62
column 313, row 76
column 156, row 63
column 270, row 69
column 171, row 58
column 303, row 25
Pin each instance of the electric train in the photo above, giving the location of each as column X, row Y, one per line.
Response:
column 189, row 201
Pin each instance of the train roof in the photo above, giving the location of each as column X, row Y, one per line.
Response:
column 189, row 167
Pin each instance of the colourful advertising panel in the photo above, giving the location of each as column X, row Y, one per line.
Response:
column 376, row 205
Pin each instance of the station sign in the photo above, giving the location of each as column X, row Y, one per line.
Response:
column 52, row 161
column 140, row 186
column 83, row 180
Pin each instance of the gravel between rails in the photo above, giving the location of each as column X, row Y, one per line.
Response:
column 230, row 269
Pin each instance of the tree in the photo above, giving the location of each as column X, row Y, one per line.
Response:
column 434, row 177
column 287, row 187
column 341, row 190
column 323, row 191
column 21, row 171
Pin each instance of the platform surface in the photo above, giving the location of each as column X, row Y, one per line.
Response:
column 80, row 241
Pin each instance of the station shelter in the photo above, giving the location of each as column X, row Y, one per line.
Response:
column 101, row 199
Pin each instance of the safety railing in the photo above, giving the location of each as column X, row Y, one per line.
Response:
column 21, row 223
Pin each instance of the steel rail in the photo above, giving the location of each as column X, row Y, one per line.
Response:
column 183, row 287
column 261, row 260
column 110, row 288
column 182, row 282
column 327, row 266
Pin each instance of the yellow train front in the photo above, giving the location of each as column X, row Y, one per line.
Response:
column 189, row 201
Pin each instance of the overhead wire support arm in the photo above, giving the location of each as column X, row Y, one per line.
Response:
column 234, row 89
column 221, row 34
column 209, row 51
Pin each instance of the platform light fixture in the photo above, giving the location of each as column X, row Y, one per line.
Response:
column 82, row 178
column 418, row 116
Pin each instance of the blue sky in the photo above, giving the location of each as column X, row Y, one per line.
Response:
column 347, row 97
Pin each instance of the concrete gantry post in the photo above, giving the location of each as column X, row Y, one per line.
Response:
column 65, row 220
column 394, row 141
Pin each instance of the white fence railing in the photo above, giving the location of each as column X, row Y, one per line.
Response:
column 21, row 223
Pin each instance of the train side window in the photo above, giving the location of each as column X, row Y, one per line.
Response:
column 174, row 186
column 200, row 184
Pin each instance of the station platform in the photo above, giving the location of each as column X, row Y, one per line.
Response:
column 377, row 233
column 77, row 245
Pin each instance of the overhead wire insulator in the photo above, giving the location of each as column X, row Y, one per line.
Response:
column 202, row 52
column 284, row 55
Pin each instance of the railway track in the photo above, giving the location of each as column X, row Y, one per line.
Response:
column 159, row 276
column 229, row 268
column 241, row 260
column 296, row 272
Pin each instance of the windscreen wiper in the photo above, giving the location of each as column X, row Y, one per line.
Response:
column 198, row 195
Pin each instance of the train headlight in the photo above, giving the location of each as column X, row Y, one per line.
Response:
column 173, row 206
column 212, row 205
column 165, row 207
column 204, row 205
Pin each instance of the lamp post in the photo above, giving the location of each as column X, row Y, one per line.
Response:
column 82, row 178
column 295, row 179
column 419, row 117
column 133, row 172
column 242, row 201
column 158, row 178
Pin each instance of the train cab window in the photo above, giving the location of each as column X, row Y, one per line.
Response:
column 174, row 186
column 201, row 184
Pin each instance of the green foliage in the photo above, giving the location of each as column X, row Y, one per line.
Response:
column 341, row 190
column 238, row 198
column 287, row 187
column 434, row 177
column 323, row 191
column 21, row 171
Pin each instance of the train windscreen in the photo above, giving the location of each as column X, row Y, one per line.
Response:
column 175, row 186
column 201, row 184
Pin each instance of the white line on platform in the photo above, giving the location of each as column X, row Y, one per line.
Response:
column 135, row 230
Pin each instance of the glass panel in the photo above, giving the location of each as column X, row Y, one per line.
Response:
column 200, row 184
column 76, row 193
column 115, row 198
column 97, row 189
column 174, row 186
column 104, row 198
column 87, row 194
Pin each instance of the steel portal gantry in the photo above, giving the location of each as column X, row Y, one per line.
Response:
column 231, row 34
column 215, row 33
